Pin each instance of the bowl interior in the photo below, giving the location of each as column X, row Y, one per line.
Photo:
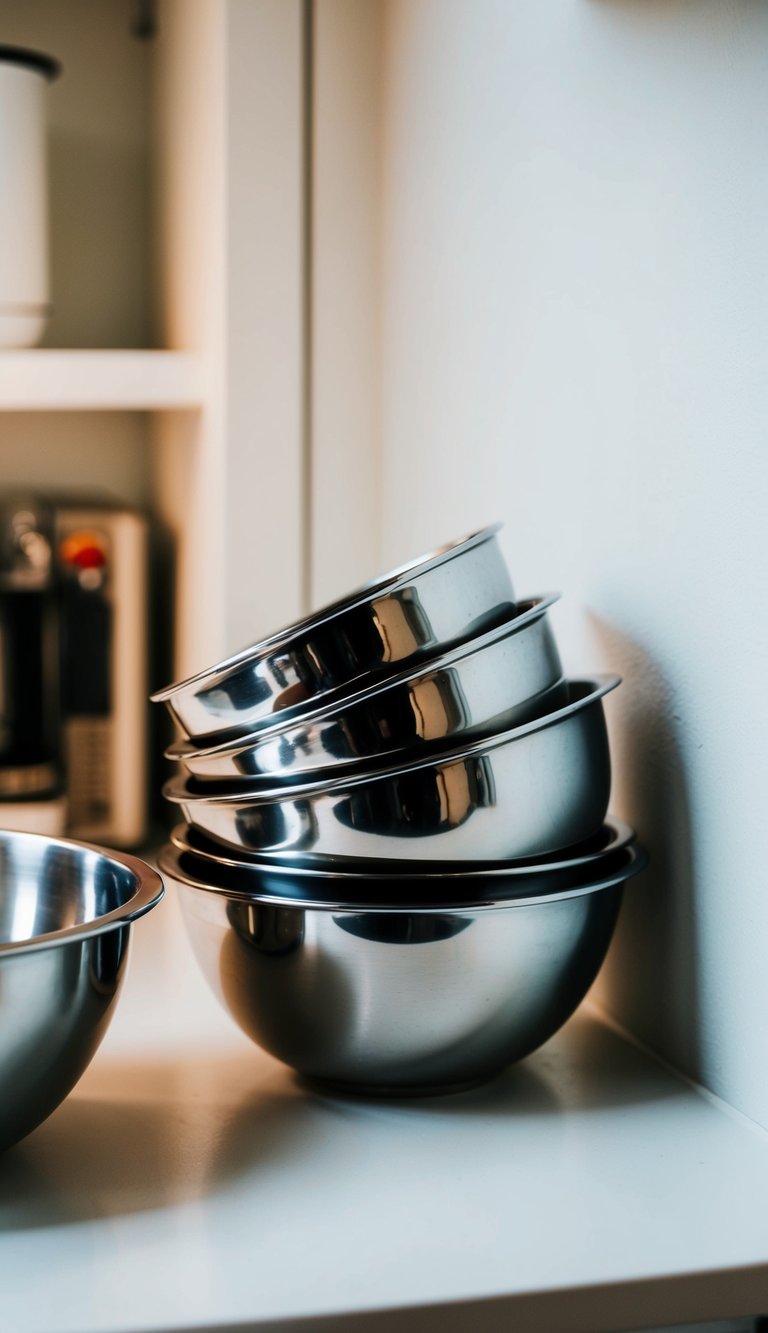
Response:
column 49, row 886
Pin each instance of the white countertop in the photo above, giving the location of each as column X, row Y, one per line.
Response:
column 189, row 1182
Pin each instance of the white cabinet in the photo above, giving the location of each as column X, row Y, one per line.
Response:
column 212, row 352
column 172, row 371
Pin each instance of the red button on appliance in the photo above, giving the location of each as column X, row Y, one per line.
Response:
column 84, row 550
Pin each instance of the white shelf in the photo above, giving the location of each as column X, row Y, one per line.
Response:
column 189, row 1182
column 43, row 380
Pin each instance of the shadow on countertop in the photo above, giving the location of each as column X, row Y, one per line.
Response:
column 148, row 1136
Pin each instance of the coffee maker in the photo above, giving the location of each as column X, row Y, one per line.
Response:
column 31, row 789
column 73, row 667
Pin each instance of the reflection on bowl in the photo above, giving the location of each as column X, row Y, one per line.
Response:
column 416, row 610
column 400, row 1000
column 508, row 675
column 530, row 790
column 65, row 914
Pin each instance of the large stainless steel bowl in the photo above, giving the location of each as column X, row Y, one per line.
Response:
column 529, row 790
column 65, row 914
column 420, row 608
column 503, row 677
column 400, row 1000
column 398, row 883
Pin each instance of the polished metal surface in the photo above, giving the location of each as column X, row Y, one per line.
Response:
column 194, row 858
column 506, row 676
column 65, row 914
column 398, row 1001
column 529, row 790
column 421, row 608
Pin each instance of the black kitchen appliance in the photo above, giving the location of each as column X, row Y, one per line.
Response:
column 73, row 653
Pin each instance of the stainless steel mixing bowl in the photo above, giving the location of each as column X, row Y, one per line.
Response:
column 420, row 608
column 529, row 790
column 65, row 913
column 503, row 677
column 398, row 883
column 401, row 1000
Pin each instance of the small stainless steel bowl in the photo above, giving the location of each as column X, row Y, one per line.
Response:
column 407, row 1000
column 506, row 676
column 529, row 790
column 420, row 608
column 397, row 883
column 65, row 914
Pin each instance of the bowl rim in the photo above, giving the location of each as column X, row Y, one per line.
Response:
column 339, row 870
column 177, row 791
column 385, row 584
column 149, row 891
column 330, row 705
column 632, row 860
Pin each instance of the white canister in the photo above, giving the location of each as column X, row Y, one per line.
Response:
column 24, row 295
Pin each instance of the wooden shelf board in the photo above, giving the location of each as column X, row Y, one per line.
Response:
column 40, row 379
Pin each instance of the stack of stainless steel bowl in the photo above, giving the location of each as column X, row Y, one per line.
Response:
column 407, row 767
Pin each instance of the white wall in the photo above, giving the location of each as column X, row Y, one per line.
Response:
column 344, row 270
column 575, row 311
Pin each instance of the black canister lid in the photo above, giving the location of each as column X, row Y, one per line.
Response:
column 36, row 60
